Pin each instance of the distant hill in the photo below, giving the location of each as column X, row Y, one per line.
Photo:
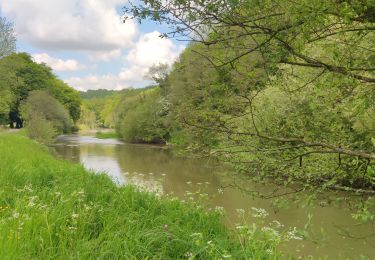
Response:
column 100, row 93
column 103, row 93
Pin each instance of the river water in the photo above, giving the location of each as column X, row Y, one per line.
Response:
column 333, row 232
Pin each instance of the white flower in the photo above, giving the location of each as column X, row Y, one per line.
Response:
column 240, row 227
column 277, row 224
column 219, row 209
column 188, row 254
column 259, row 213
column 292, row 234
column 221, row 191
column 271, row 231
column 240, row 211
column 16, row 214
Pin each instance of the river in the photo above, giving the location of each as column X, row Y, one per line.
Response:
column 157, row 169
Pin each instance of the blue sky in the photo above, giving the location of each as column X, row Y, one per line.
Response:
column 85, row 42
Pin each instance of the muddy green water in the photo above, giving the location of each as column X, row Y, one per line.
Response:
column 158, row 169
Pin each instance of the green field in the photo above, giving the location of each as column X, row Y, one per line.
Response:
column 51, row 208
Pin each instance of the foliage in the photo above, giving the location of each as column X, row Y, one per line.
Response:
column 20, row 75
column 87, row 119
column 44, row 116
column 53, row 209
column 40, row 129
column 7, row 38
column 99, row 93
column 143, row 118
column 276, row 88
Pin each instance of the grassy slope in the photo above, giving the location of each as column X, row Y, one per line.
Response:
column 106, row 135
column 53, row 209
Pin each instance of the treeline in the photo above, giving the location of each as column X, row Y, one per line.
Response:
column 32, row 96
column 277, row 89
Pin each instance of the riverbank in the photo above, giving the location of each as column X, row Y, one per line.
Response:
column 51, row 208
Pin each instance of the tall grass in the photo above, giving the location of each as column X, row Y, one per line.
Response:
column 53, row 209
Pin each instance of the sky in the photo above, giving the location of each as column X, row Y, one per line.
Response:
column 86, row 43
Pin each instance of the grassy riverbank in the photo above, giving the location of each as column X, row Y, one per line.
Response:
column 107, row 135
column 53, row 209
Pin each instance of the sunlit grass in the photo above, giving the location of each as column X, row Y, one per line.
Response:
column 53, row 209
column 106, row 135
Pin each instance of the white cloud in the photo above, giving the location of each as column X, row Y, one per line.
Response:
column 97, row 82
column 105, row 55
column 93, row 28
column 90, row 25
column 58, row 64
column 149, row 50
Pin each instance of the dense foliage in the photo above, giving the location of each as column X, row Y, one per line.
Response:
column 7, row 38
column 276, row 88
column 44, row 116
column 20, row 75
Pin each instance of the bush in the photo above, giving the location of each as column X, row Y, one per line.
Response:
column 45, row 117
column 41, row 129
column 144, row 119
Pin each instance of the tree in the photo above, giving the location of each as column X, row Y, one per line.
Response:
column 277, row 88
column 44, row 116
column 20, row 75
column 7, row 38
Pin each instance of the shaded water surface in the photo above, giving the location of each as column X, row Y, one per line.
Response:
column 157, row 169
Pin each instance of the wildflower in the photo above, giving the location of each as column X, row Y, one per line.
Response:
column 240, row 211
column 221, row 191
column 188, row 182
column 15, row 214
column 271, row 231
column 259, row 213
column 81, row 193
column 199, row 183
column 240, row 227
column 269, row 251
column 163, row 174
column 74, row 215
column 57, row 193
column 219, row 209
column 209, row 242
column 293, row 234
column 277, row 224
column 188, row 254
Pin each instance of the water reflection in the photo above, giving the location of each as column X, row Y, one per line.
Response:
column 157, row 169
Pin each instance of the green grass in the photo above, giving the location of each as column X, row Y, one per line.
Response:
column 51, row 208
column 106, row 135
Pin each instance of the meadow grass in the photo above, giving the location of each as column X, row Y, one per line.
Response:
column 51, row 208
